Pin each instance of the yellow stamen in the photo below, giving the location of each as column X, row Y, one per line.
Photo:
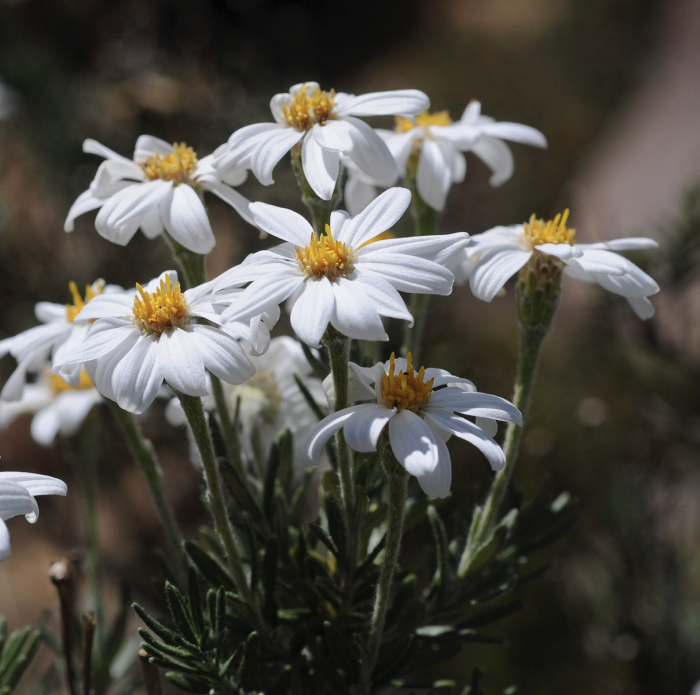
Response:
column 325, row 256
column 304, row 111
column 58, row 385
column 389, row 234
column 162, row 310
column 423, row 120
column 406, row 390
column 554, row 231
column 176, row 167
column 73, row 309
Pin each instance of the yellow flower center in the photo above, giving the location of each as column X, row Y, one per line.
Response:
column 305, row 110
column 177, row 167
column 550, row 232
column 58, row 385
column 406, row 390
column 325, row 257
column 162, row 310
column 73, row 309
column 423, row 120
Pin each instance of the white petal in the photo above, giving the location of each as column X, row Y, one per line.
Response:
column 362, row 431
column 564, row 252
column 104, row 336
column 494, row 269
column 186, row 219
column 354, row 314
column 489, row 426
column 313, row 310
column 601, row 261
column 15, row 499
column 74, row 407
column 434, row 177
column 321, row 167
column 222, row 355
column 152, row 224
column 270, row 150
column 370, row 153
column 515, row 132
column 333, row 135
column 642, row 307
column 238, row 202
column 358, row 194
column 476, row 404
column 93, row 147
column 409, row 273
column 439, row 248
column 497, row 156
column 626, row 244
column 318, row 437
column 243, row 144
column 262, row 295
column 437, row 483
column 5, row 547
column 379, row 216
column 107, row 305
column 35, row 483
column 282, row 223
column 469, row 432
column 391, row 103
column 85, row 202
column 181, row 362
column 634, row 283
column 136, row 377
column 149, row 146
column 413, row 443
column 385, row 298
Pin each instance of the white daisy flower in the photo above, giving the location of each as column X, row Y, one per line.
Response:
column 341, row 278
column 422, row 410
column 439, row 144
column 160, row 189
column 60, row 333
column 327, row 126
column 140, row 340
column 270, row 400
column 17, row 493
column 58, row 407
column 496, row 255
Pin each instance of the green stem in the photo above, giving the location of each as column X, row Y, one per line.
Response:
column 538, row 296
column 233, row 448
column 145, row 456
column 320, row 209
column 397, row 487
column 193, row 265
column 425, row 220
column 338, row 347
column 84, row 447
column 194, row 411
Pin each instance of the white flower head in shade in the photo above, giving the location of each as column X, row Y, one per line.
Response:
column 59, row 333
column 159, row 189
column 58, row 407
column 422, row 410
column 327, row 126
column 439, row 144
column 148, row 336
column 17, row 496
column 341, row 278
column 496, row 255
column 270, row 400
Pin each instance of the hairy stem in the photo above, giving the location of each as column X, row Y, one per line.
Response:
column 193, row 265
column 194, row 411
column 145, row 456
column 397, row 488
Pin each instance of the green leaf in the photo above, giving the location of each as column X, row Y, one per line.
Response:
column 188, row 683
column 280, row 450
column 310, row 400
column 442, row 571
column 320, row 370
column 209, row 567
column 325, row 538
column 195, row 601
column 300, row 492
column 165, row 633
column 161, row 649
column 269, row 582
column 249, row 662
column 341, row 650
column 180, row 613
column 337, row 530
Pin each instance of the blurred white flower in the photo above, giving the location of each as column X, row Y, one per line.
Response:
column 59, row 334
column 58, row 408
column 496, row 255
column 160, row 189
column 17, row 493
column 340, row 279
column 439, row 144
column 141, row 338
column 422, row 410
column 327, row 125
column 270, row 400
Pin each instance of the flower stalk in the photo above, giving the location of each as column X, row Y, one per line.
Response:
column 194, row 411
column 145, row 456
column 193, row 265
column 320, row 209
column 538, row 297
column 397, row 488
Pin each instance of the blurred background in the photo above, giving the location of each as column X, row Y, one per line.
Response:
column 614, row 85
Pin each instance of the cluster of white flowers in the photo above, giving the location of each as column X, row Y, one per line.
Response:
column 124, row 345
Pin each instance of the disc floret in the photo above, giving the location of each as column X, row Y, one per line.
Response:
column 177, row 167
column 72, row 310
column 406, row 390
column 306, row 109
column 160, row 311
column 58, row 385
column 325, row 257
column 538, row 231
column 423, row 120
